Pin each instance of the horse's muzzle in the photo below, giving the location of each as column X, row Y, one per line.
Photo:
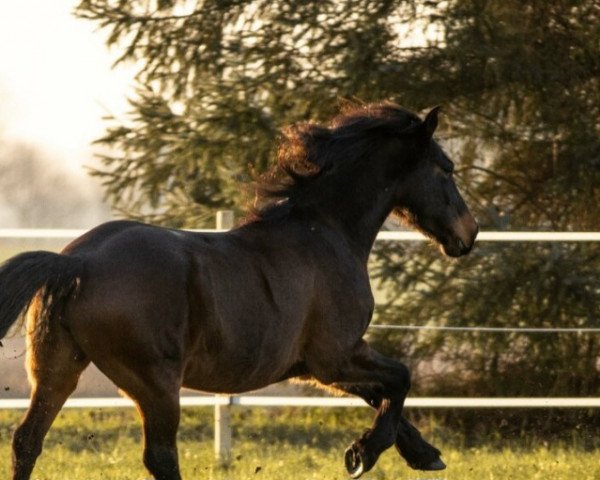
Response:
column 464, row 233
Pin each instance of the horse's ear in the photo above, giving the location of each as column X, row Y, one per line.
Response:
column 424, row 130
column 431, row 121
column 315, row 138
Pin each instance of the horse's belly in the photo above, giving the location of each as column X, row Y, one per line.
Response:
column 231, row 373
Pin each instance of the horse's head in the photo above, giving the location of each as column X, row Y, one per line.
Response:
column 427, row 197
column 373, row 157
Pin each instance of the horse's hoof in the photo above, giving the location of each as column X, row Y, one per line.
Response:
column 437, row 464
column 355, row 464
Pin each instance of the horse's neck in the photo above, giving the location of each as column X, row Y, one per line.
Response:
column 361, row 223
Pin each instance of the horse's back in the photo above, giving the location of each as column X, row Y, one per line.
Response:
column 129, row 256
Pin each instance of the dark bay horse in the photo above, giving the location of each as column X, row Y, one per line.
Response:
column 285, row 295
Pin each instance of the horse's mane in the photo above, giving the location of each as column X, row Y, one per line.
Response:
column 310, row 155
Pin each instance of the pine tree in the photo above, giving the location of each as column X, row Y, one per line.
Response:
column 520, row 85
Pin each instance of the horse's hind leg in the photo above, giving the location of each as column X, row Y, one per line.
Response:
column 54, row 364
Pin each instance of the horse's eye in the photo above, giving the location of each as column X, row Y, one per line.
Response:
column 447, row 172
column 447, row 166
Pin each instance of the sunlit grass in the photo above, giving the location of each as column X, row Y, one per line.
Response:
column 271, row 444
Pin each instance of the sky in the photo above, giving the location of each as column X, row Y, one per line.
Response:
column 56, row 80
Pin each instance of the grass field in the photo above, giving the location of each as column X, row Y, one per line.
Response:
column 273, row 444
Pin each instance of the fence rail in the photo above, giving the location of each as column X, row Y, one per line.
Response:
column 485, row 236
column 488, row 329
column 284, row 401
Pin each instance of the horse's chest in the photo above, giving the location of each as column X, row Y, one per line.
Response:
column 344, row 313
column 351, row 297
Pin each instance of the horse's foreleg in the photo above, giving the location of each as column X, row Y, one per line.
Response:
column 384, row 384
column 363, row 453
column 418, row 453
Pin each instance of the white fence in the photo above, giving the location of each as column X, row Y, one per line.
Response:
column 222, row 403
column 344, row 402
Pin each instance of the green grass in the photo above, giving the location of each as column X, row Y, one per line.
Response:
column 272, row 444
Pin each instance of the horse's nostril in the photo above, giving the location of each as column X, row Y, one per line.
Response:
column 463, row 247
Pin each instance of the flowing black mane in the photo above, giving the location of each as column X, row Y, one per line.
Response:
column 312, row 158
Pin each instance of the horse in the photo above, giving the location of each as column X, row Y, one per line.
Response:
column 284, row 295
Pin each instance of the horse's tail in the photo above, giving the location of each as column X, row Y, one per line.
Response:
column 22, row 276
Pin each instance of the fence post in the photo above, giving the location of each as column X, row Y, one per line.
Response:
column 223, row 431
column 225, row 221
